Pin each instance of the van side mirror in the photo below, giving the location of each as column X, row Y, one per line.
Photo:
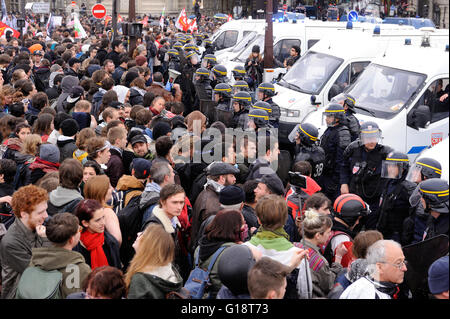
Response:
column 313, row 100
column 420, row 117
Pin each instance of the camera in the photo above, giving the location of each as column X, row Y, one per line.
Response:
column 297, row 179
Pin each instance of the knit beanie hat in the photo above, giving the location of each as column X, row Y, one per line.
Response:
column 231, row 195
column 160, row 129
column 438, row 275
column 49, row 153
column 69, row 127
column 140, row 60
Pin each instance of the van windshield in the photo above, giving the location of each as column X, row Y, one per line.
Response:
column 384, row 91
column 311, row 72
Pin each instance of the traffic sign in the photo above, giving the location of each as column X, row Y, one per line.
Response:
column 352, row 16
column 284, row 7
column 99, row 11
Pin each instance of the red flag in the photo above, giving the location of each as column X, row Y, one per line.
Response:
column 119, row 18
column 182, row 22
column 230, row 17
column 4, row 27
column 192, row 26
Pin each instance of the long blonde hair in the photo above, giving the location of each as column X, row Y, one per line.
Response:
column 31, row 144
column 156, row 249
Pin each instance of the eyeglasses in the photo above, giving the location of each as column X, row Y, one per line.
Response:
column 397, row 265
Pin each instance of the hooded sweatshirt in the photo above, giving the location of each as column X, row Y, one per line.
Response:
column 60, row 198
column 67, row 262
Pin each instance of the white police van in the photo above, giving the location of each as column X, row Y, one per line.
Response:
column 333, row 64
column 304, row 34
column 233, row 32
column 404, row 91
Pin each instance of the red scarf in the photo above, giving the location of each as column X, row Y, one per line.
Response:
column 93, row 243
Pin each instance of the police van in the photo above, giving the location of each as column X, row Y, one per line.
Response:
column 404, row 91
column 304, row 34
column 233, row 32
column 333, row 64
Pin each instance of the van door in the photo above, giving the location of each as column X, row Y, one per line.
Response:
column 419, row 138
column 226, row 39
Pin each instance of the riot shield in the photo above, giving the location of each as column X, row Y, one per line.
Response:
column 226, row 117
column 208, row 108
column 420, row 256
column 284, row 166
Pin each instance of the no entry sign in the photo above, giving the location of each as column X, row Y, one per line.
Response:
column 99, row 11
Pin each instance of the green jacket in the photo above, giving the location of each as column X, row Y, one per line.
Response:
column 70, row 263
column 147, row 286
column 15, row 255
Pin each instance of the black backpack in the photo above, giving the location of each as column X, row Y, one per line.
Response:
column 130, row 220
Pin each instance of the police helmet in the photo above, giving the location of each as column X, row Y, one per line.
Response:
column 177, row 45
column 259, row 116
column 223, row 89
column 350, row 102
column 219, row 71
column 261, row 105
column 308, row 134
column 243, row 98
column 435, row 192
column 369, row 132
column 240, row 85
column 191, row 47
column 238, row 71
column 395, row 166
column 267, row 89
column 424, row 168
column 334, row 110
column 202, row 73
column 173, row 53
column 209, row 59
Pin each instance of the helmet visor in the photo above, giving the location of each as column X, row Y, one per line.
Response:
column 391, row 169
column 294, row 134
column 328, row 119
column 415, row 173
column 415, row 197
column 370, row 136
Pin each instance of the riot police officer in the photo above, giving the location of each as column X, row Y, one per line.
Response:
column 239, row 73
column 334, row 141
column 202, row 83
column 241, row 103
column 258, row 119
column 219, row 75
column 187, row 85
column 414, row 226
column 222, row 95
column 352, row 121
column 265, row 92
column 424, row 168
column 209, row 61
column 433, row 194
column 209, row 47
column 394, row 201
column 307, row 148
column 361, row 168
